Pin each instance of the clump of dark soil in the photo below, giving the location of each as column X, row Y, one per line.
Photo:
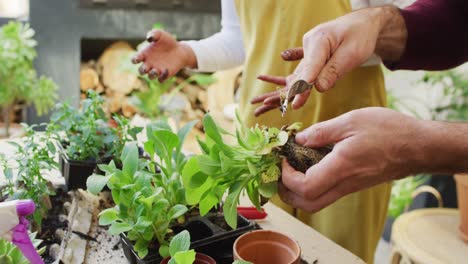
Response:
column 302, row 158
column 52, row 223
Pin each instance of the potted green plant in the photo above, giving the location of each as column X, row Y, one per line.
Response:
column 25, row 170
column 19, row 82
column 90, row 138
column 151, row 204
column 180, row 252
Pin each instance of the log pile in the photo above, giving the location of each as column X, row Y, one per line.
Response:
column 117, row 80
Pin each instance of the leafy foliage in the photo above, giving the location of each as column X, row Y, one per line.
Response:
column 88, row 133
column 179, row 249
column 25, row 170
column 454, row 102
column 251, row 163
column 18, row 79
column 10, row 254
column 149, row 194
column 401, row 195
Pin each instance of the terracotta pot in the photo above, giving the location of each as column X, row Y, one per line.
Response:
column 462, row 195
column 199, row 259
column 267, row 247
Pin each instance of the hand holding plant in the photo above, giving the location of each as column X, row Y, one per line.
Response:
column 252, row 163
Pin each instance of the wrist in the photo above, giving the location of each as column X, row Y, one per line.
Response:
column 189, row 58
column 391, row 40
column 443, row 148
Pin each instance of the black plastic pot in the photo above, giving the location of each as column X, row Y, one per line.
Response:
column 76, row 172
column 208, row 237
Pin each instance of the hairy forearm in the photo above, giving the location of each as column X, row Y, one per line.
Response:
column 391, row 42
column 443, row 147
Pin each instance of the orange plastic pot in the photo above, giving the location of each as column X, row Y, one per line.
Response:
column 199, row 259
column 267, row 247
column 462, row 196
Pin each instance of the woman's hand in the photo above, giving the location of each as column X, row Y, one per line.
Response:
column 164, row 56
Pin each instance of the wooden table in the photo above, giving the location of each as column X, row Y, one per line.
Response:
column 428, row 236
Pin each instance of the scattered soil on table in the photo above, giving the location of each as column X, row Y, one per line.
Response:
column 52, row 223
column 302, row 158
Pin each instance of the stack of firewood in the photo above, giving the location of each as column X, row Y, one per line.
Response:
column 109, row 77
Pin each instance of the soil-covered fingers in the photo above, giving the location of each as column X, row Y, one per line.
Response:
column 263, row 97
column 154, row 35
column 263, row 109
column 293, row 54
column 279, row 80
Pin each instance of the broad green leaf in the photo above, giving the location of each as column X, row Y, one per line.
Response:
column 95, row 183
column 198, row 180
column 186, row 257
column 108, row 216
column 119, row 228
column 130, row 159
column 230, row 205
column 207, row 165
column 268, row 189
column 184, row 131
column 252, row 192
column 141, row 247
column 207, row 202
column 193, row 195
column 164, row 251
column 180, row 242
column 177, row 210
column 211, row 129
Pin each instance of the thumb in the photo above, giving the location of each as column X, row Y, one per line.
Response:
column 341, row 62
column 154, row 35
column 324, row 133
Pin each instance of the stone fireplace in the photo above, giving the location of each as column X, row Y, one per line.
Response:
column 64, row 26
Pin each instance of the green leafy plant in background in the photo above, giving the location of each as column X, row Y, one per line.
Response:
column 149, row 194
column 251, row 163
column 402, row 194
column 89, row 134
column 454, row 102
column 25, row 170
column 19, row 82
column 10, row 254
column 156, row 101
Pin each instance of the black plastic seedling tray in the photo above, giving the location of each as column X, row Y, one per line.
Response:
column 210, row 235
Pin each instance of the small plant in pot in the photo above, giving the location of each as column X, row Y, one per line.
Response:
column 25, row 171
column 151, row 205
column 180, row 252
column 149, row 194
column 90, row 138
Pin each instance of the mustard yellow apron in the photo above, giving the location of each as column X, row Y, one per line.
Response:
column 268, row 28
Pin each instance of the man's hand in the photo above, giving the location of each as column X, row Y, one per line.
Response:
column 332, row 49
column 164, row 56
column 373, row 145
